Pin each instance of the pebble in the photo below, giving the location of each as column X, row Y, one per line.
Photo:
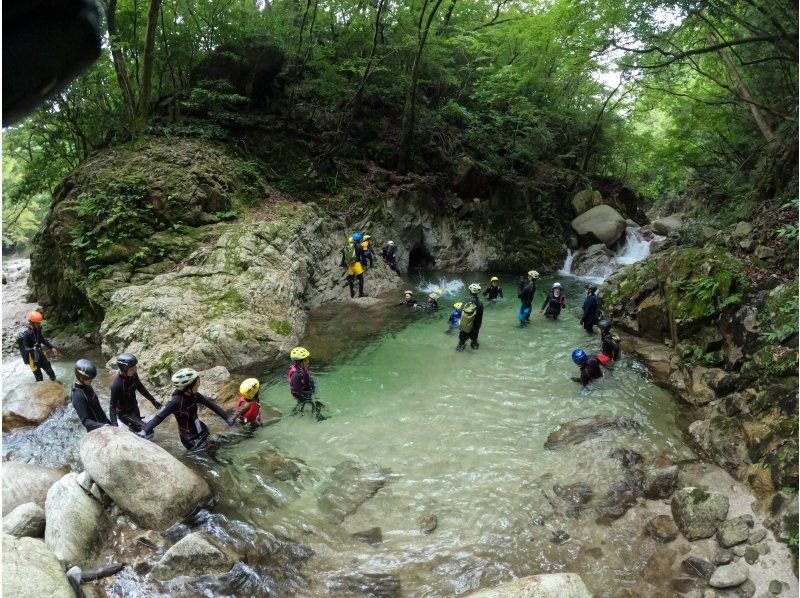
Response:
column 739, row 550
column 757, row 536
column 723, row 557
column 728, row 576
column 751, row 555
column 697, row 567
column 775, row 586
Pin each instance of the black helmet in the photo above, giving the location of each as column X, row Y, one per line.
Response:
column 85, row 370
column 125, row 361
column 604, row 325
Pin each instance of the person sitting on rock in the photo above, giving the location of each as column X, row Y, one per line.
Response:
column 123, row 405
column 301, row 383
column 554, row 302
column 84, row 398
column 590, row 309
column 590, row 367
column 389, row 258
column 183, row 405
column 408, row 300
column 525, row 292
column 367, row 253
column 455, row 316
column 30, row 343
column 609, row 343
column 351, row 260
column 248, row 409
column 493, row 292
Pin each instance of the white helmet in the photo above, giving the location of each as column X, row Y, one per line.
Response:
column 475, row 288
column 183, row 379
column 533, row 274
column 390, row 243
column 556, row 285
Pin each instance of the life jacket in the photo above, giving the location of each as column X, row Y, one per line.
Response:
column 307, row 386
column 554, row 304
column 251, row 413
column 456, row 315
column 468, row 312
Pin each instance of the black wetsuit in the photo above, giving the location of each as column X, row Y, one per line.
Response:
column 411, row 303
column 183, row 405
column 477, row 321
column 610, row 347
column 493, row 292
column 590, row 315
column 553, row 305
column 301, row 383
column 87, row 405
column 30, row 342
column 525, row 292
column 591, row 370
column 123, row 403
column 431, row 306
column 390, row 259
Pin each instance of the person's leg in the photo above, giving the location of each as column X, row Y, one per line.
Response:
column 462, row 339
column 44, row 364
column 37, row 373
column 350, row 280
column 473, row 336
column 361, row 285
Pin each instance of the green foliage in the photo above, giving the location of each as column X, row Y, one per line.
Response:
column 779, row 317
column 228, row 215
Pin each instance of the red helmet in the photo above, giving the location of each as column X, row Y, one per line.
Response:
column 35, row 316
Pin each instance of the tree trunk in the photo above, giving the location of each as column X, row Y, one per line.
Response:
column 143, row 113
column 410, row 106
column 119, row 61
column 593, row 133
column 360, row 91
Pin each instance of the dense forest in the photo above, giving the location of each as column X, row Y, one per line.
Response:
column 692, row 104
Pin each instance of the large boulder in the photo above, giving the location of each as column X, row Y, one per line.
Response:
column 25, row 520
column 30, row 405
column 586, row 200
column 697, row 512
column 601, row 224
column 31, row 569
column 578, row 430
column 193, row 555
column 551, row 585
column 24, row 483
column 77, row 525
column 141, row 477
column 664, row 226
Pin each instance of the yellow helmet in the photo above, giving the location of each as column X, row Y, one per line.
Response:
column 249, row 388
column 458, row 305
column 494, row 279
column 350, row 240
column 299, row 353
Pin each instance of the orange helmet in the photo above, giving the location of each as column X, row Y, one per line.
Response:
column 35, row 316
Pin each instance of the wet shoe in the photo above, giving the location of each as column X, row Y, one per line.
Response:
column 362, row 295
column 460, row 347
column 321, row 417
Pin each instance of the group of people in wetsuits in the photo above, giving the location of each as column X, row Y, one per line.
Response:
column 357, row 253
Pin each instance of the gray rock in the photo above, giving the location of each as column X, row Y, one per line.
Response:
column 349, row 486
column 373, row 536
column 601, row 224
column 762, row 548
column 659, row 483
column 662, row 528
column 783, row 519
column 698, row 513
column 23, row 483
column 428, row 523
column 561, row 585
column 763, row 252
column 757, row 536
column 746, row 590
column 750, row 555
column 775, row 586
column 578, row 430
column 728, row 576
column 664, row 226
column 739, row 550
column 585, row 200
column 747, row 245
column 697, row 567
column 733, row 531
column 25, row 520
column 74, row 575
column 365, row 583
column 30, row 405
column 195, row 554
column 77, row 526
column 742, row 230
column 723, row 556
column 141, row 477
column 31, row 569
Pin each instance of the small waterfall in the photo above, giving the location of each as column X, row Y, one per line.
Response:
column 597, row 263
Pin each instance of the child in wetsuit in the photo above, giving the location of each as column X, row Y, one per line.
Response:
column 455, row 316
column 493, row 292
column 609, row 343
column 590, row 367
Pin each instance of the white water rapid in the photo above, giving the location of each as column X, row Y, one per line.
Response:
column 597, row 263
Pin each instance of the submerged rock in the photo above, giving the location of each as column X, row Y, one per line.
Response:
column 25, row 520
column 428, row 522
column 662, row 528
column 698, row 513
column 141, row 477
column 348, row 487
column 578, row 430
column 552, row 585
column 30, row 405
column 196, row 554
column 373, row 536
column 77, row 526
column 23, row 483
column 31, row 569
column 380, row 585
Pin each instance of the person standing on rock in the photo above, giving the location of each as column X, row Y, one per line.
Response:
column 525, row 292
column 609, row 343
column 183, row 405
column 590, row 309
column 84, row 398
column 493, row 292
column 471, row 320
column 301, row 383
column 590, row 367
column 554, row 302
column 123, row 405
column 367, row 254
column 389, row 258
column 30, row 342
column 351, row 260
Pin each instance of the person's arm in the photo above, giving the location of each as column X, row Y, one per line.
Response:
column 297, row 387
column 81, row 406
column 238, row 412
column 116, row 391
column 585, row 376
column 546, row 300
column 214, row 407
column 45, row 342
column 146, row 393
column 168, row 409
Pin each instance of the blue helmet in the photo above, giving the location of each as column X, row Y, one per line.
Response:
column 357, row 237
column 579, row 356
